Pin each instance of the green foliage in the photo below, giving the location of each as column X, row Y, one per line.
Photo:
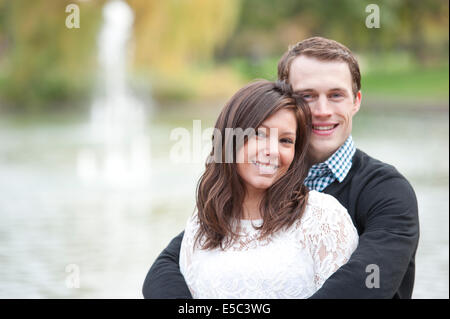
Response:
column 252, row 69
column 267, row 27
column 172, row 35
column 42, row 61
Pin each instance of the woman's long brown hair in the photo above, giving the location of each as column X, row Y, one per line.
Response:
column 221, row 191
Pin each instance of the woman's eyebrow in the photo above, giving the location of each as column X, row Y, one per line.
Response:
column 281, row 133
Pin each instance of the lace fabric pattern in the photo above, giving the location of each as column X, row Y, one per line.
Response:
column 292, row 263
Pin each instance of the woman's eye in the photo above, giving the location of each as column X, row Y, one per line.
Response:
column 260, row 133
column 287, row 140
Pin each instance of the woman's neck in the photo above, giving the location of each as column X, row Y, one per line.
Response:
column 250, row 206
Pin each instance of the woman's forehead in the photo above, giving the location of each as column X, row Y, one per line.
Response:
column 284, row 120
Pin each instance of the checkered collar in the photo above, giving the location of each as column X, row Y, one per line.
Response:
column 338, row 164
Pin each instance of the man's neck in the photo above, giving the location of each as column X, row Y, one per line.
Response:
column 316, row 158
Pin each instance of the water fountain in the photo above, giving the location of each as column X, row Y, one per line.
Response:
column 120, row 155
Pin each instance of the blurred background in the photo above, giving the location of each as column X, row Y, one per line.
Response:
column 89, row 192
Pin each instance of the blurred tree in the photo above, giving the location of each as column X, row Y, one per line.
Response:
column 423, row 22
column 175, row 42
column 171, row 35
column 42, row 62
column 189, row 45
column 266, row 27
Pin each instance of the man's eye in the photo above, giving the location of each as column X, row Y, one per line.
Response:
column 307, row 96
column 336, row 95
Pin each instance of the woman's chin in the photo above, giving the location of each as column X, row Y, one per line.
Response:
column 261, row 185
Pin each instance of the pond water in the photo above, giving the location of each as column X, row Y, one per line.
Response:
column 67, row 236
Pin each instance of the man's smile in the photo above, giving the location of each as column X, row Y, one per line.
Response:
column 324, row 128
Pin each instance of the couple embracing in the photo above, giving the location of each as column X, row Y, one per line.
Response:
column 299, row 212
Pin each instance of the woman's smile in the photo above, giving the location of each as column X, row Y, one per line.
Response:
column 266, row 168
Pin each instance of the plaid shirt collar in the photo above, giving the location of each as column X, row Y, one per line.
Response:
column 336, row 167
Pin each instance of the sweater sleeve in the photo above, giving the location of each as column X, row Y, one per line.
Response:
column 164, row 279
column 388, row 241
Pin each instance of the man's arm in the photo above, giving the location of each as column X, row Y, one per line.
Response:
column 389, row 241
column 164, row 279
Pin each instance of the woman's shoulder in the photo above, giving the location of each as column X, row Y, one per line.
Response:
column 192, row 224
column 322, row 200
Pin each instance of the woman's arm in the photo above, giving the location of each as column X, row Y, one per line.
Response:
column 333, row 238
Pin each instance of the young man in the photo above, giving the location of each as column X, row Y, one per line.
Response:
column 380, row 201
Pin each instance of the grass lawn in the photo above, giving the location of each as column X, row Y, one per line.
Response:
column 411, row 83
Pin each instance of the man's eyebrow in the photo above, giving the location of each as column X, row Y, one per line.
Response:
column 304, row 90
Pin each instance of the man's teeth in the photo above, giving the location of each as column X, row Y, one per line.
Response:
column 323, row 128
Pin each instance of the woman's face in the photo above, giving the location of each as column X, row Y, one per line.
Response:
column 267, row 155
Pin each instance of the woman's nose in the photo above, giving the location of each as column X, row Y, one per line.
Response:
column 271, row 147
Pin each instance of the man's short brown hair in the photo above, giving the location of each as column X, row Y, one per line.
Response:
column 321, row 49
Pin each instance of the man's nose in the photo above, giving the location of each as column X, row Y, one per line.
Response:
column 320, row 108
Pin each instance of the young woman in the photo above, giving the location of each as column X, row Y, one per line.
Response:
column 257, row 231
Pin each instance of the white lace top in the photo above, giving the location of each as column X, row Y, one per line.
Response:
column 293, row 263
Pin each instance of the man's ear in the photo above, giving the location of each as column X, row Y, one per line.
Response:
column 357, row 102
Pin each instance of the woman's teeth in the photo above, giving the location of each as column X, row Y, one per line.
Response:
column 265, row 167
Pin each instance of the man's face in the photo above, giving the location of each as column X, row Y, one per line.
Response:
column 327, row 87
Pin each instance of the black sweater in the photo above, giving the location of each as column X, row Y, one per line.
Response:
column 383, row 207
